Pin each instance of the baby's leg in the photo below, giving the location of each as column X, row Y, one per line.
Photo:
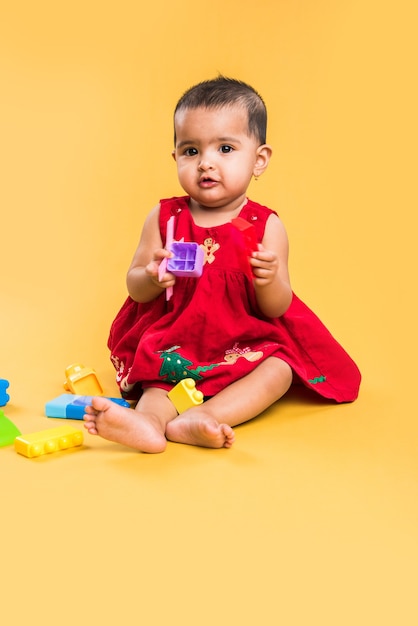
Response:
column 142, row 428
column 209, row 424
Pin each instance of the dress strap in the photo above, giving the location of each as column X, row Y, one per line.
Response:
column 257, row 215
column 168, row 208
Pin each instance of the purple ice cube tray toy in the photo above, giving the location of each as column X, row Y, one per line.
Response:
column 187, row 260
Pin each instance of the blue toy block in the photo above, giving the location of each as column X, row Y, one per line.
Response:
column 71, row 406
column 4, row 397
column 187, row 260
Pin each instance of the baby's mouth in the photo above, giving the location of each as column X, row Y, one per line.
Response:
column 206, row 181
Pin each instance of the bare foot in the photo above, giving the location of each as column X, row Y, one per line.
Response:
column 126, row 426
column 200, row 430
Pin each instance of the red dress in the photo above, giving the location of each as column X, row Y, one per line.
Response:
column 211, row 330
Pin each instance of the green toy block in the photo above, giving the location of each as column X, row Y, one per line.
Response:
column 8, row 431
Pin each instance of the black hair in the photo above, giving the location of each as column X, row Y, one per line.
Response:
column 222, row 91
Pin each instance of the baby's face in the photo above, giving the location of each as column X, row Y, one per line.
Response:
column 215, row 155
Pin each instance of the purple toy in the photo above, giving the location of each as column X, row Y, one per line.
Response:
column 187, row 259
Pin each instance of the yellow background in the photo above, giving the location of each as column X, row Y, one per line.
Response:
column 312, row 517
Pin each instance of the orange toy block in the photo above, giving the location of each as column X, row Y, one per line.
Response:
column 185, row 395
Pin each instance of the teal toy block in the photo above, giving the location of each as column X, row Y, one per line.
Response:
column 4, row 397
column 72, row 406
column 8, row 431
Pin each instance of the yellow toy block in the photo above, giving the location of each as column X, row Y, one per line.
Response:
column 185, row 395
column 82, row 381
column 47, row 441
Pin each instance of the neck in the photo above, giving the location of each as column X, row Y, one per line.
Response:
column 215, row 216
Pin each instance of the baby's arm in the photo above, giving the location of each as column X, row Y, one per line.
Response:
column 270, row 269
column 142, row 278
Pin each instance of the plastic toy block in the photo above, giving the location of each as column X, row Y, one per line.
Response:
column 71, row 406
column 82, row 381
column 4, row 397
column 248, row 238
column 47, row 441
column 8, row 431
column 187, row 260
column 248, row 233
column 185, row 395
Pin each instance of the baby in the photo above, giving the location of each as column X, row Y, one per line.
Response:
column 238, row 330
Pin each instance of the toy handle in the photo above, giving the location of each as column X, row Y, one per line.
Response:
column 163, row 265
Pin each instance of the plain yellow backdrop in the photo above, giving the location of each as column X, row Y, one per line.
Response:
column 311, row 518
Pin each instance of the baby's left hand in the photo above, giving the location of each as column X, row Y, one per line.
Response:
column 265, row 266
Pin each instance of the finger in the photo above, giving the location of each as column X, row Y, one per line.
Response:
column 161, row 253
column 261, row 264
column 264, row 255
column 260, row 272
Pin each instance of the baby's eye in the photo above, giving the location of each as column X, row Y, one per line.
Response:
column 226, row 149
column 190, row 152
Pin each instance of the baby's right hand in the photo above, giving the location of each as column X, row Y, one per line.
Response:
column 153, row 269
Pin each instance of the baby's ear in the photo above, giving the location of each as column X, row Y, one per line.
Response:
column 264, row 153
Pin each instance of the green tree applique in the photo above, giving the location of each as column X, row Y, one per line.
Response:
column 175, row 367
column 318, row 379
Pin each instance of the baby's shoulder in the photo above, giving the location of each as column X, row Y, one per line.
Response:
column 258, row 215
column 253, row 208
column 173, row 206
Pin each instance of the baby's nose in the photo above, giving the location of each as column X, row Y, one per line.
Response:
column 205, row 164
